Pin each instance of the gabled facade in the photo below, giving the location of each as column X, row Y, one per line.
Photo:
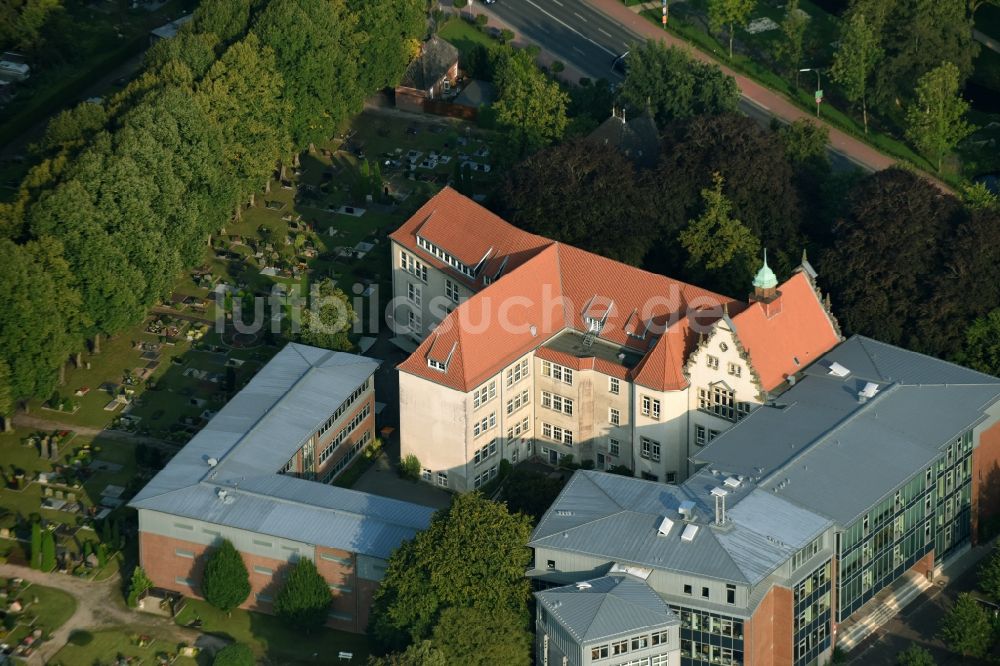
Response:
column 872, row 466
column 528, row 347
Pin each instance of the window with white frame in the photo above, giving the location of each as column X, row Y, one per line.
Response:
column 484, row 424
column 650, row 407
column 442, row 479
column 712, row 362
column 614, row 447
column 413, row 266
column 425, row 474
column 558, row 372
column 557, row 434
column 649, row 449
column 414, row 321
column 451, row 290
column 444, row 256
column 614, row 416
column 700, row 434
column 487, row 451
column 516, row 372
column 519, row 428
column 414, row 293
column 735, row 369
column 614, row 385
column 437, row 365
column 557, row 403
column 518, row 401
column 484, row 394
column 485, row 476
column 721, row 401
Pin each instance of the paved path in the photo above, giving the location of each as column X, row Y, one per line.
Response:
column 38, row 423
column 99, row 606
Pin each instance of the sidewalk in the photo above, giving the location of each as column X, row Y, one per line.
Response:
column 775, row 103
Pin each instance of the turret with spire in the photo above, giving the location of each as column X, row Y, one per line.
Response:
column 765, row 284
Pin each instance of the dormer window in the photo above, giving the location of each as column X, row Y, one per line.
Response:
column 594, row 325
column 437, row 365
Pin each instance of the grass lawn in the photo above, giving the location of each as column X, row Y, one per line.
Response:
column 465, row 36
column 271, row 639
column 103, row 647
column 52, row 609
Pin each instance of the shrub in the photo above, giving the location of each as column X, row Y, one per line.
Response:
column 226, row 583
column 235, row 654
column 506, row 35
column 140, row 583
column 304, row 600
column 409, row 467
column 482, row 19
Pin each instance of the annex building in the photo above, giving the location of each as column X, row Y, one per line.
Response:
column 257, row 475
column 529, row 347
column 873, row 467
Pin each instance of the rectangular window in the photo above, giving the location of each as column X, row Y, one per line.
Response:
column 720, row 401
column 730, row 594
column 186, row 554
column 343, row 589
column 183, row 526
column 687, row 589
column 551, row 564
column 517, row 371
column 181, row 580
column 333, row 558
column 262, row 543
column 713, row 362
column 414, row 321
column 704, row 592
column 599, row 652
column 614, row 447
column 557, row 434
column 425, row 474
column 557, row 403
column 413, row 293
column 646, row 405
column 656, row 410
column 649, row 449
column 621, row 647
column 442, row 478
column 209, row 532
column 735, row 369
column 614, row 385
column 265, row 571
column 614, row 416
column 451, row 290
column 700, row 435
column 557, row 372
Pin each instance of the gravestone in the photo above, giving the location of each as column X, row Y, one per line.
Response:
column 54, row 452
column 45, row 446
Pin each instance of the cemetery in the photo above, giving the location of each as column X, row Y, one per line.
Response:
column 29, row 614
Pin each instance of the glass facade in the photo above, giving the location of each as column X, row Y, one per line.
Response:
column 811, row 609
column 709, row 638
column 929, row 512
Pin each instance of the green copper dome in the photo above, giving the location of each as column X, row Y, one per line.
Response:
column 765, row 279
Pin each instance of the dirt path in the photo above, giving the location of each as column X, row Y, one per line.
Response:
column 38, row 423
column 99, row 606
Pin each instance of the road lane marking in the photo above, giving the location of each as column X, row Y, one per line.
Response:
column 604, row 32
column 571, row 29
column 557, row 2
column 579, row 50
column 579, row 17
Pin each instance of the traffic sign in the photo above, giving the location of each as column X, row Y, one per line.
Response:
column 819, row 96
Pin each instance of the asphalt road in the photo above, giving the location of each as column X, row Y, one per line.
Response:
column 589, row 40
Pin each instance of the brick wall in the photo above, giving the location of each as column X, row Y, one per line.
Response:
column 986, row 479
column 367, row 425
column 768, row 634
column 158, row 556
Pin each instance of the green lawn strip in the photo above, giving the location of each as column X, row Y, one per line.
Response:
column 52, row 608
column 102, row 647
column 271, row 639
column 802, row 98
column 465, row 36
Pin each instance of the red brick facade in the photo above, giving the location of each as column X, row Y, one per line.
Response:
column 985, row 479
column 768, row 634
column 368, row 425
column 159, row 557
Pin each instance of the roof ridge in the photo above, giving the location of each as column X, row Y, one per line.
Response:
column 864, row 338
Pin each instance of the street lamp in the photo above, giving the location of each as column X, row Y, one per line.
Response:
column 819, row 88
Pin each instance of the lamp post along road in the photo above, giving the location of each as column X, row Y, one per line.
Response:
column 819, row 88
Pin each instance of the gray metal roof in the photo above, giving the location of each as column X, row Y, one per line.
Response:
column 823, row 449
column 252, row 438
column 606, row 608
column 616, row 518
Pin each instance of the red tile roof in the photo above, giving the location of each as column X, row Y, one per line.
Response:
column 787, row 335
column 470, row 233
column 548, row 286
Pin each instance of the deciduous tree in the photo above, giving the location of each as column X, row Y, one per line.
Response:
column 328, row 319
column 422, row 653
column 966, row 628
column 473, row 555
column 793, row 29
column 234, row 654
column 729, row 12
column 935, row 123
column 480, row 637
column 531, row 106
column 305, row 598
column 982, row 352
column 584, row 194
column 855, row 60
column 226, row 582
column 138, row 584
column 719, row 244
column 915, row 656
column 6, row 398
column 674, row 86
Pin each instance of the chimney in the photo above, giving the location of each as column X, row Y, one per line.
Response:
column 720, row 505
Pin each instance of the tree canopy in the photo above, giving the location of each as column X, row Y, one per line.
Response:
column 226, row 582
column 935, row 123
column 529, row 104
column 966, row 628
column 472, row 556
column 234, row 654
column 582, row 193
column 670, row 83
column 304, row 600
